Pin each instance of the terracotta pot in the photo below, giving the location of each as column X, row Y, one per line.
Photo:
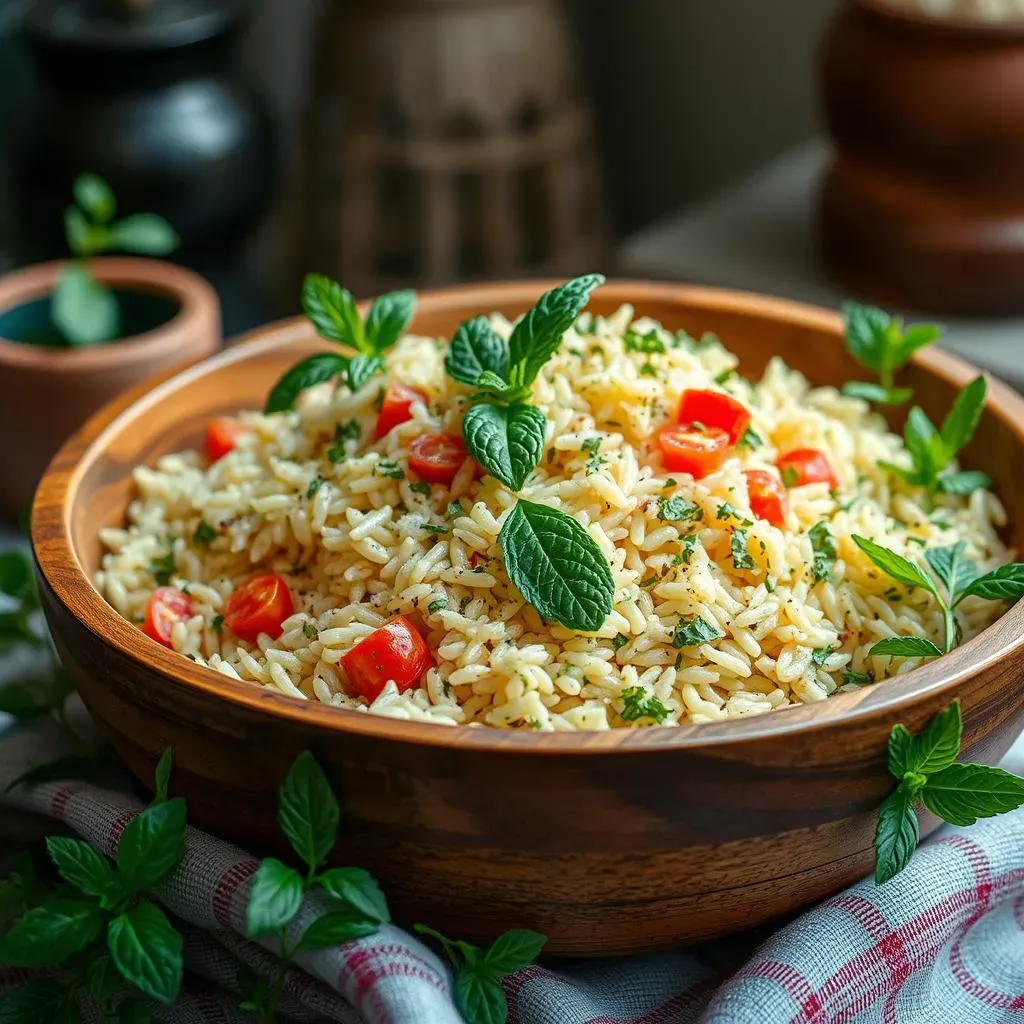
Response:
column 922, row 206
column 47, row 392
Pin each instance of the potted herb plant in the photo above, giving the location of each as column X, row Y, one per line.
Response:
column 74, row 334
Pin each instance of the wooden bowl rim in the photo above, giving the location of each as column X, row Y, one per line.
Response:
column 63, row 573
column 938, row 24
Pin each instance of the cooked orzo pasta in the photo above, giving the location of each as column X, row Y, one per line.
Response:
column 735, row 584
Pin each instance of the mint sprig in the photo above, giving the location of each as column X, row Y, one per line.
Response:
column 332, row 311
column 928, row 772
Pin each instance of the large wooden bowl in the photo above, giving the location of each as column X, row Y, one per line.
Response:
column 609, row 842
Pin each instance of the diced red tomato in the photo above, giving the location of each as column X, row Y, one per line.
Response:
column 165, row 607
column 259, row 605
column 714, row 409
column 395, row 651
column 806, row 466
column 685, row 449
column 394, row 409
column 436, row 458
column 767, row 496
column 222, row 437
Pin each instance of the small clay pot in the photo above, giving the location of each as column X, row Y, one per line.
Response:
column 923, row 203
column 171, row 318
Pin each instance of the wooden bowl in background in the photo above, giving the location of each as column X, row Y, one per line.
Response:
column 609, row 842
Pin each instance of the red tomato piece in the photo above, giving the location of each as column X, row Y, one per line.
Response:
column 436, row 458
column 395, row 651
column 714, row 409
column 394, row 409
column 806, row 466
column 685, row 449
column 259, row 605
column 165, row 607
column 222, row 437
column 767, row 496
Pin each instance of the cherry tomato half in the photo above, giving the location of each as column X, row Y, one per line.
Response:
column 436, row 458
column 714, row 409
column 806, row 466
column 395, row 651
column 165, row 607
column 221, row 437
column 394, row 409
column 259, row 605
column 685, row 449
column 767, row 496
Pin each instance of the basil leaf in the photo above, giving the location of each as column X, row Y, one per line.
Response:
column 307, row 812
column 476, row 349
column 894, row 565
column 359, row 889
column 388, row 317
column 900, row 751
column 145, row 233
column 95, row 197
column 147, row 951
column 693, row 631
column 536, row 337
column 83, row 310
column 335, row 928
column 937, row 745
column 959, row 425
column 513, row 951
column 953, row 570
column 311, row 371
column 896, row 834
column 51, row 933
column 82, row 866
column 162, row 776
column 905, row 647
column 823, row 548
column 741, row 557
column 1003, row 584
column 506, row 440
column 557, row 566
column 914, row 338
column 908, row 476
column 152, row 845
column 332, row 311
column 361, row 368
column 965, row 482
column 274, row 898
column 865, row 334
column 876, row 393
column 480, row 999
column 102, row 978
column 963, row 793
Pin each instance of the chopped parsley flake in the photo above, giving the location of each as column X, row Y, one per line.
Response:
column 824, row 548
column 162, row 569
column 647, row 370
column 690, row 544
column 647, row 343
column 205, row 534
column 678, row 510
column 420, row 487
column 769, row 584
column 857, row 678
column 619, row 640
column 217, row 623
column 670, row 482
column 591, row 446
column 649, row 582
column 434, row 528
column 342, row 432
column 693, row 631
column 727, row 511
column 436, row 606
column 750, row 439
column 738, row 546
column 392, row 470
column 790, row 477
column 309, row 630
column 454, row 509
column 821, row 654
column 721, row 378
column 314, row 485
column 636, row 705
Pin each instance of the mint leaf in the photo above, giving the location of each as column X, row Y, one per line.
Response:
column 102, row 978
column 94, row 197
column 359, row 889
column 865, row 334
column 823, row 550
column 1003, row 584
column 741, row 557
column 361, row 368
column 311, row 371
column 86, row 869
column 333, row 313
column 506, row 440
column 83, row 310
column 162, row 776
column 693, row 631
column 636, row 704
column 914, row 338
column 962, row 420
column 557, row 566
column 963, row 793
column 649, row 343
column 894, row 565
column 876, row 393
column 513, row 951
column 307, row 811
column 927, row 449
column 388, row 317
column 965, row 482
column 145, row 233
column 896, row 834
column 900, row 756
column 537, row 336
column 905, row 647
column 274, row 898
column 335, row 928
column 51, row 933
column 476, row 349
column 152, row 845
column 953, row 570
column 480, row 999
column 677, row 509
column 79, row 233
column 937, row 745
column 147, row 951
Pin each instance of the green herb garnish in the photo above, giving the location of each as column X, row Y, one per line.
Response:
column 434, row 528
column 314, row 485
column 636, row 704
column 217, row 623
column 421, row 487
column 741, row 558
column 389, row 469
column 619, row 640
column 821, row 654
column 649, row 343
column 162, row 569
column 823, row 547
column 309, row 630
column 342, row 432
column 727, row 511
column 437, row 605
column 693, row 631
column 750, row 439
column 677, row 510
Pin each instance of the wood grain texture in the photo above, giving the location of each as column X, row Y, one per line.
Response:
column 609, row 842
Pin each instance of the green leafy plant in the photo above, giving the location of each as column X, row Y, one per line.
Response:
column 958, row 578
column 83, row 310
column 99, row 924
column 928, row 772
column 880, row 343
column 332, row 311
